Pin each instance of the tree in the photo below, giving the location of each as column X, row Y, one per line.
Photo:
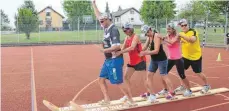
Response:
column 198, row 10
column 152, row 10
column 107, row 8
column 29, row 5
column 195, row 11
column 26, row 20
column 219, row 6
column 76, row 9
column 4, row 21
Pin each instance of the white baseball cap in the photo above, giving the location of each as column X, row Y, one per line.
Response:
column 105, row 16
column 183, row 21
column 128, row 25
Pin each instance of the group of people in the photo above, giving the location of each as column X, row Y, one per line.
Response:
column 183, row 51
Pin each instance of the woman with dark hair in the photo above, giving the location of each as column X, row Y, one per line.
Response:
column 158, row 60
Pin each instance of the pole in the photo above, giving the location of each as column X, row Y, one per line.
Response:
column 96, row 27
column 17, row 30
column 166, row 21
column 78, row 26
column 226, row 25
column 84, row 39
column 39, row 38
column 206, row 26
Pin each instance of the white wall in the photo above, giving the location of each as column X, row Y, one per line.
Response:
column 126, row 17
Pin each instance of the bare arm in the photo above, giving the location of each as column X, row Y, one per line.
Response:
column 172, row 41
column 146, row 45
column 133, row 45
column 191, row 39
column 96, row 10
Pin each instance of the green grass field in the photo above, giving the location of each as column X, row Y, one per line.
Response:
column 93, row 35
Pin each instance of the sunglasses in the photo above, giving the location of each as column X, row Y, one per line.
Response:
column 184, row 25
column 102, row 20
column 125, row 29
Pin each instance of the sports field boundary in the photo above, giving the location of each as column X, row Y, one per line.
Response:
column 210, row 45
column 48, row 43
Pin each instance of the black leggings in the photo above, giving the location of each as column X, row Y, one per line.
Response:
column 179, row 65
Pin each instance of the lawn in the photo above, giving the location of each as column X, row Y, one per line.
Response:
column 93, row 35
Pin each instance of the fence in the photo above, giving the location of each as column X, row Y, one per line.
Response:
column 89, row 30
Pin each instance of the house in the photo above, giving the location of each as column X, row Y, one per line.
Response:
column 88, row 19
column 130, row 15
column 50, row 19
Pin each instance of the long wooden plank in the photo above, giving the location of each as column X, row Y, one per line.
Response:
column 115, row 107
column 159, row 101
column 136, row 99
column 95, row 105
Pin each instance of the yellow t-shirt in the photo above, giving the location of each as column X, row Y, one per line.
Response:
column 191, row 51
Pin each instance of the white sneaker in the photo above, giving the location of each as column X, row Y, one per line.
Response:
column 162, row 93
column 187, row 93
column 152, row 98
column 130, row 104
column 103, row 102
column 180, row 89
column 124, row 99
column 205, row 89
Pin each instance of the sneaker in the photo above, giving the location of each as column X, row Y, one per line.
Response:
column 145, row 95
column 179, row 89
column 152, row 98
column 162, row 92
column 187, row 93
column 205, row 89
column 124, row 99
column 170, row 95
column 130, row 104
column 103, row 102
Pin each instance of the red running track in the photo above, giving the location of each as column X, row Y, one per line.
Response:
column 62, row 71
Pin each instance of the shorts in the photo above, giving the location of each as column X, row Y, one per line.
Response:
column 112, row 70
column 195, row 64
column 161, row 64
column 179, row 65
column 138, row 67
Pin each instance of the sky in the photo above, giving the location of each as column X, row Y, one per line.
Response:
column 10, row 6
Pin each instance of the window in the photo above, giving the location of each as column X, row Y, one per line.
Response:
column 131, row 12
column 48, row 19
column 132, row 19
column 48, row 13
column 117, row 19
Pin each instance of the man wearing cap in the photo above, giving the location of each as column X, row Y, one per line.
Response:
column 113, row 65
column 191, row 52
